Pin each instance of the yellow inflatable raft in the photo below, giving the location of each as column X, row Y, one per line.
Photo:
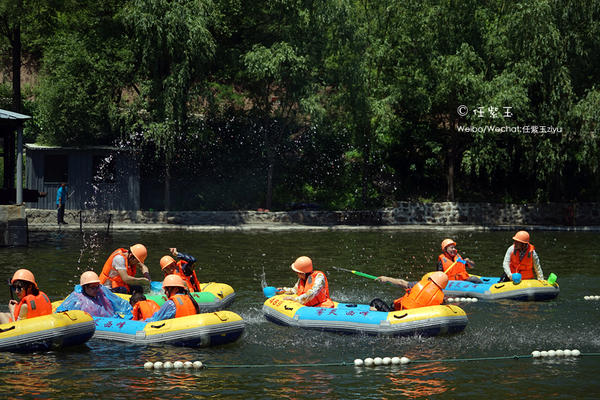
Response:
column 48, row 332
column 198, row 330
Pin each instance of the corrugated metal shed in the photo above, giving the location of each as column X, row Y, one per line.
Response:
column 98, row 177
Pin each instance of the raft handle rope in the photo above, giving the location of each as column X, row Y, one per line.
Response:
column 158, row 326
column 220, row 317
column 7, row 329
column 68, row 316
column 400, row 316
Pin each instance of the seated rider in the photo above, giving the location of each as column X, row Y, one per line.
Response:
column 521, row 257
column 142, row 307
column 312, row 288
column 184, row 267
column 180, row 303
column 118, row 273
column 453, row 264
column 427, row 292
column 95, row 299
column 32, row 301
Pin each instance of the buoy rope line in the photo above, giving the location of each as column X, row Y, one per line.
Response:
column 367, row 362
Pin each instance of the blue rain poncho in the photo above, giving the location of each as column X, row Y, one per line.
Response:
column 105, row 304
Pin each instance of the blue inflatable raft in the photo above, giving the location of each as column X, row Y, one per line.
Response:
column 493, row 289
column 358, row 318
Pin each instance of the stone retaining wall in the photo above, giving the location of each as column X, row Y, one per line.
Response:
column 406, row 213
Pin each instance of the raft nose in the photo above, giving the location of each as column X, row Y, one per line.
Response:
column 269, row 291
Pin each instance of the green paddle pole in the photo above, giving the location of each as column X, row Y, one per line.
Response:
column 363, row 274
column 357, row 273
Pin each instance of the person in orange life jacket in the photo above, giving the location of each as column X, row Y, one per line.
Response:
column 521, row 257
column 118, row 273
column 427, row 292
column 312, row 288
column 180, row 303
column 184, row 268
column 453, row 264
column 32, row 301
column 142, row 307
column 95, row 299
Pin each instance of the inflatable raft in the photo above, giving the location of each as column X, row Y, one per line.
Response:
column 493, row 289
column 48, row 332
column 358, row 318
column 200, row 330
column 214, row 296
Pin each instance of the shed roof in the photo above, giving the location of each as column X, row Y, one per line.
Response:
column 5, row 114
column 33, row 146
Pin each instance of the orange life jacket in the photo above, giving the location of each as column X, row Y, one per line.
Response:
column 144, row 309
column 116, row 280
column 191, row 281
column 458, row 272
column 424, row 293
column 524, row 266
column 322, row 298
column 183, row 305
column 37, row 306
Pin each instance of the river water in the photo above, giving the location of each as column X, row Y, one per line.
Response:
column 246, row 260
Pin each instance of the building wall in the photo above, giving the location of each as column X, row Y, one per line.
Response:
column 85, row 193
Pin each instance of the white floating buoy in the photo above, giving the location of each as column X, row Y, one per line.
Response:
column 178, row 364
column 377, row 361
column 450, row 300
column 475, row 299
column 197, row 364
column 551, row 353
column 168, row 365
column 387, row 361
column 586, row 297
column 358, row 362
column 462, row 299
column 148, row 365
column 188, row 364
column 535, row 354
column 158, row 365
column 368, row 362
column 568, row 353
column 560, row 353
column 395, row 360
column 404, row 360
column 544, row 353
column 575, row 353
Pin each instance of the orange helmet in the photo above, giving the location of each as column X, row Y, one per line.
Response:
column 173, row 281
column 522, row 236
column 23, row 275
column 439, row 278
column 303, row 264
column 446, row 243
column 140, row 252
column 88, row 277
column 165, row 261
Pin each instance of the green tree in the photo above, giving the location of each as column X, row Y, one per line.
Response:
column 173, row 46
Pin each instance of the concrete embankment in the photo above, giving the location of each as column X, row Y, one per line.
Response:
column 406, row 216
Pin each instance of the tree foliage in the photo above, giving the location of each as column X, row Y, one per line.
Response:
column 349, row 104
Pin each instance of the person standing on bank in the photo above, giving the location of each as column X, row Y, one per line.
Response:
column 61, row 201
column 521, row 257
